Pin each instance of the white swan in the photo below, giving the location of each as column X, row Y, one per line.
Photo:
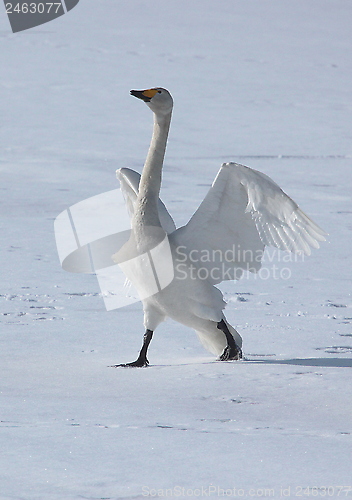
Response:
column 243, row 211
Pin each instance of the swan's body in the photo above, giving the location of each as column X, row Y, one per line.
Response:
column 243, row 211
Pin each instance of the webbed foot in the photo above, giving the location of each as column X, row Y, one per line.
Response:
column 139, row 363
column 231, row 353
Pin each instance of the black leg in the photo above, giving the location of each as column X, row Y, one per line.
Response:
column 142, row 358
column 232, row 351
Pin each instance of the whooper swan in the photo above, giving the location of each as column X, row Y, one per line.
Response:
column 243, row 212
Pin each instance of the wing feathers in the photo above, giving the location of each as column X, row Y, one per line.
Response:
column 279, row 220
column 246, row 208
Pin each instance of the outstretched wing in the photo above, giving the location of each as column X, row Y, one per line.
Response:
column 243, row 212
column 129, row 181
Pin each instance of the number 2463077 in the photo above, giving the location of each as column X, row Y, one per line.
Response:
column 33, row 8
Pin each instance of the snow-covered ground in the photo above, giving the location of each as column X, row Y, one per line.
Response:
column 266, row 83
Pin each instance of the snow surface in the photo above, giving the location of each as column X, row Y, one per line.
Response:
column 263, row 82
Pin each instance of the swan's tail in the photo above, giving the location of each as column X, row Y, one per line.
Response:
column 214, row 339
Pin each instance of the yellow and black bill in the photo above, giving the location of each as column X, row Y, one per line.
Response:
column 145, row 95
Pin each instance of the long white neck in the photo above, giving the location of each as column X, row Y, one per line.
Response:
column 146, row 210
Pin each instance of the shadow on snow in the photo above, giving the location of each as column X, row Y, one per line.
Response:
column 329, row 362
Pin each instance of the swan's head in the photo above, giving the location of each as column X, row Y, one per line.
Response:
column 158, row 99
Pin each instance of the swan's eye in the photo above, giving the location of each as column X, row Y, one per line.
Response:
column 159, row 91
